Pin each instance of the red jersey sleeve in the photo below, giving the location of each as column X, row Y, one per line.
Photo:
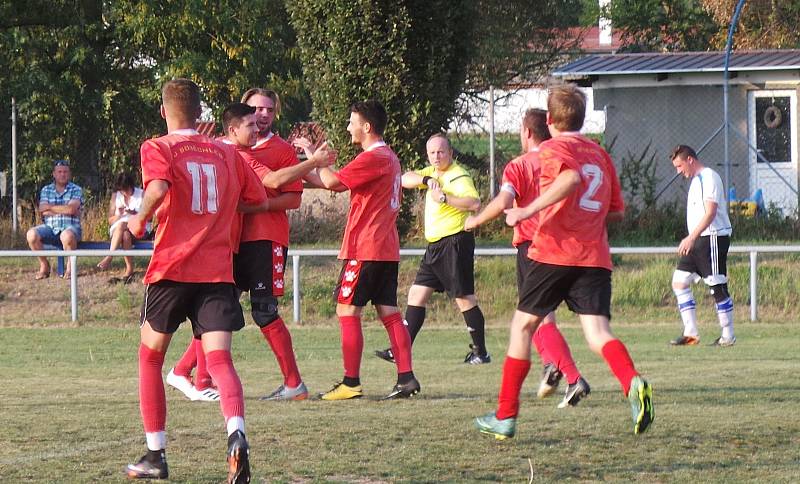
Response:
column 360, row 171
column 512, row 175
column 252, row 191
column 155, row 165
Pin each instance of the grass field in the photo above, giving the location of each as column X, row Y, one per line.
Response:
column 70, row 412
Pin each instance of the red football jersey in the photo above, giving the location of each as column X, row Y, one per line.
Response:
column 522, row 175
column 573, row 232
column 373, row 178
column 196, row 221
column 270, row 154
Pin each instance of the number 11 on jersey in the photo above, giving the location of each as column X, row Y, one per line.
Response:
column 200, row 171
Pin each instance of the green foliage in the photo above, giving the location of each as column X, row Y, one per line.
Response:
column 87, row 75
column 638, row 178
column 410, row 56
column 521, row 40
column 655, row 25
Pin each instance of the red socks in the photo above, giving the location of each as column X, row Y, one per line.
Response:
column 280, row 340
column 352, row 344
column 188, row 361
column 514, row 373
column 152, row 401
column 202, row 378
column 557, row 350
column 618, row 359
column 540, row 347
column 400, row 341
column 222, row 371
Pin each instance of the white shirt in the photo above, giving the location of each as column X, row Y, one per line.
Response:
column 706, row 185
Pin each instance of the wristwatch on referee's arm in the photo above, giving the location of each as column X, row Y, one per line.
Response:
column 443, row 198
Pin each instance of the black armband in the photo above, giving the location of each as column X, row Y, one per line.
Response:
column 425, row 180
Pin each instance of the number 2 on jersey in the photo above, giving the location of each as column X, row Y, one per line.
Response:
column 200, row 171
column 595, row 174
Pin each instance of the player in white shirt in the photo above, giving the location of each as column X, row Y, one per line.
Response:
column 704, row 252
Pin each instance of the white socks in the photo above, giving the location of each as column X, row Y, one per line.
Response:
column 688, row 309
column 156, row 440
column 235, row 423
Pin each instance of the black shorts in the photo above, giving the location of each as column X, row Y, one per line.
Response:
column 587, row 290
column 708, row 257
column 211, row 306
column 449, row 265
column 363, row 281
column 523, row 263
column 259, row 268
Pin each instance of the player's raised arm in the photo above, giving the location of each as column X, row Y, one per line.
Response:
column 565, row 183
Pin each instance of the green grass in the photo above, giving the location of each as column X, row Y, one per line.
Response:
column 70, row 412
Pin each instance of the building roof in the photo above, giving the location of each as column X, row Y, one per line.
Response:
column 680, row 62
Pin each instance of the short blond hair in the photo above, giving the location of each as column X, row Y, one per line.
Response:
column 182, row 98
column 567, row 107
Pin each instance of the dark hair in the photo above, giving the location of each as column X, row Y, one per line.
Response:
column 683, row 152
column 536, row 121
column 181, row 96
column 124, row 181
column 233, row 114
column 567, row 106
column 372, row 112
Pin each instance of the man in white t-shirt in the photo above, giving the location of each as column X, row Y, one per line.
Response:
column 704, row 252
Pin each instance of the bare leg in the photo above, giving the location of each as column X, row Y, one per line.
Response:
column 116, row 241
column 70, row 242
column 35, row 243
column 127, row 243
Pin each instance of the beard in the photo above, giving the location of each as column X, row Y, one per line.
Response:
column 264, row 131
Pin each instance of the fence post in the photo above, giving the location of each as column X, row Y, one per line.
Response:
column 491, row 143
column 14, row 221
column 73, row 286
column 753, row 285
column 296, row 288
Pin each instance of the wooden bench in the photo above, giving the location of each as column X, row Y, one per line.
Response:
column 93, row 245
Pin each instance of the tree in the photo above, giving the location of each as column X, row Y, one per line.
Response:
column 769, row 24
column 520, row 41
column 662, row 25
column 87, row 74
column 410, row 55
column 699, row 25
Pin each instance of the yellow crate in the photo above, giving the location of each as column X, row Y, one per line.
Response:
column 743, row 208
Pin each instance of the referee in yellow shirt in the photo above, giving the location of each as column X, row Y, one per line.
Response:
column 448, row 263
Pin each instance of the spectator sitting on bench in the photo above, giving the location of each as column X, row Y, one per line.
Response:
column 125, row 202
column 60, row 204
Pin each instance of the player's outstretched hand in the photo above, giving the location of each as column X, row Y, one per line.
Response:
column 136, row 226
column 471, row 223
column 322, row 156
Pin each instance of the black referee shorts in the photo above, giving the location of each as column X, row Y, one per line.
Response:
column 449, row 265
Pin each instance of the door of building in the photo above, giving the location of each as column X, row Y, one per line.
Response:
column 773, row 132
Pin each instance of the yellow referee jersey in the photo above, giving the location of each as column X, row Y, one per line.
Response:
column 441, row 219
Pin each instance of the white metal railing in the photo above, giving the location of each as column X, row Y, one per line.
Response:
column 295, row 254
